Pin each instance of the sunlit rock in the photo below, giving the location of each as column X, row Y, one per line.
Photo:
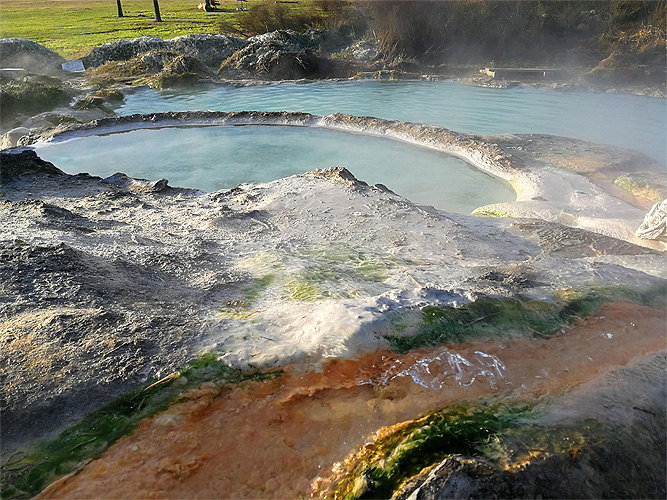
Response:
column 11, row 138
column 33, row 57
column 209, row 50
column 654, row 226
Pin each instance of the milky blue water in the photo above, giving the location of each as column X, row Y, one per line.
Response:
column 633, row 122
column 212, row 158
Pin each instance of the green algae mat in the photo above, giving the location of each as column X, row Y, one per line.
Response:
column 25, row 474
column 496, row 318
column 489, row 434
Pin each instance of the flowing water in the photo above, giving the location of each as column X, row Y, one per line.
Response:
column 272, row 439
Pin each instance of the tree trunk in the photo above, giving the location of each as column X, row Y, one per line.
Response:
column 120, row 9
column 156, row 8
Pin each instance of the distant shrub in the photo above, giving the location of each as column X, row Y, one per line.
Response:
column 479, row 30
column 336, row 15
column 267, row 17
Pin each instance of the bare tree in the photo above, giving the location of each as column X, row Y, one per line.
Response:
column 156, row 8
column 120, row 9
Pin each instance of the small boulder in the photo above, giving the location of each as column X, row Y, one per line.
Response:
column 654, row 226
column 11, row 138
column 19, row 162
column 21, row 53
column 337, row 175
column 131, row 185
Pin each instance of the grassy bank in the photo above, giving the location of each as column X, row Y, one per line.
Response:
column 605, row 35
column 73, row 28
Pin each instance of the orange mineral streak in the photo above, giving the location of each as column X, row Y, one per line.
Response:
column 273, row 439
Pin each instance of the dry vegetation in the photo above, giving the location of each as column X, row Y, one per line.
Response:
column 576, row 31
column 618, row 39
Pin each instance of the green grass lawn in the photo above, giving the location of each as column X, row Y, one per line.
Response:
column 71, row 27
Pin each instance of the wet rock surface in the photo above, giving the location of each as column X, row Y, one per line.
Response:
column 628, row 402
column 124, row 280
column 295, row 435
column 556, row 239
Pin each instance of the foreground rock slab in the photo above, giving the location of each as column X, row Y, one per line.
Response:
column 109, row 283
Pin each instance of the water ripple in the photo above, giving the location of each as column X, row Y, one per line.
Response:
column 434, row 371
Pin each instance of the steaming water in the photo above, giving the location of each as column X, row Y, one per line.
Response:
column 212, row 158
column 215, row 158
column 633, row 122
column 290, row 430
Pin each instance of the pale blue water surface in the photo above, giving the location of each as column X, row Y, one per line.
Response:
column 212, row 158
column 634, row 122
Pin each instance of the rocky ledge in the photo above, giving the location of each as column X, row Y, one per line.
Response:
column 596, row 187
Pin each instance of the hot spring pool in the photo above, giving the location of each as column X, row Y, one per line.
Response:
column 634, row 122
column 212, row 158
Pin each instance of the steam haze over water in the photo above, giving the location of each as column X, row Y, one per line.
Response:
column 634, row 122
column 212, row 158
